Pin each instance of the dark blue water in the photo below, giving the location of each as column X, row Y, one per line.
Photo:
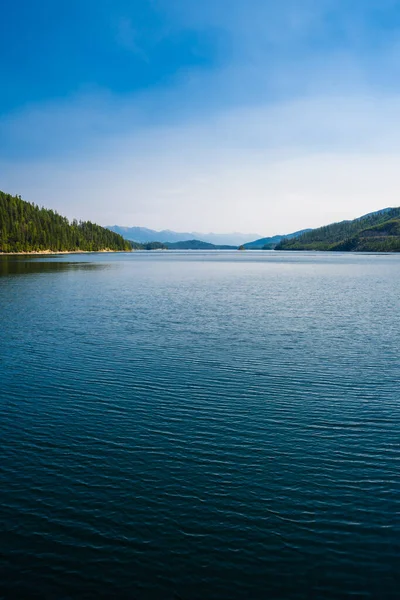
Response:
column 200, row 425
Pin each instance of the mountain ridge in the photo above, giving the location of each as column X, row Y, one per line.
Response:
column 271, row 242
column 374, row 232
column 144, row 234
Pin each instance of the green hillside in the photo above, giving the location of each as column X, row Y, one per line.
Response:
column 197, row 245
column 149, row 246
column 268, row 243
column 25, row 227
column 375, row 232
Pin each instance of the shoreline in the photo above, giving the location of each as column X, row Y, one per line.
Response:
column 53, row 252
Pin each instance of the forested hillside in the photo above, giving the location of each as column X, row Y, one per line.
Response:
column 375, row 232
column 197, row 245
column 381, row 238
column 24, row 227
column 268, row 243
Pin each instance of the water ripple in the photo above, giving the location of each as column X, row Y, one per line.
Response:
column 200, row 426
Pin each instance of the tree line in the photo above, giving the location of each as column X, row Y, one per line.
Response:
column 25, row 227
column 376, row 232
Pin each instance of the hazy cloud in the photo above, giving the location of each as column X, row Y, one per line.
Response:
column 298, row 125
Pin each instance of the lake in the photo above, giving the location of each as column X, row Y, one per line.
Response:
column 190, row 425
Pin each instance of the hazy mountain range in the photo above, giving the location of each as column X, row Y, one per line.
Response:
column 143, row 235
column 378, row 231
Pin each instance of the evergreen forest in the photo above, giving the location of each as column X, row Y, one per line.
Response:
column 25, row 227
column 375, row 232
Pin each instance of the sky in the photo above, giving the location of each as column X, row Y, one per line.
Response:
column 202, row 115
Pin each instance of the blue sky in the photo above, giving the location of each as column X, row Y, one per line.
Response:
column 202, row 115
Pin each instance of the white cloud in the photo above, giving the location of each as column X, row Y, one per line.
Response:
column 272, row 168
column 261, row 143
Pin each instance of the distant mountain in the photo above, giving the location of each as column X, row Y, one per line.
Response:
column 197, row 245
column 143, row 235
column 375, row 232
column 271, row 242
column 148, row 246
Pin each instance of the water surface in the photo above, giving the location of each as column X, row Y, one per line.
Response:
column 200, row 425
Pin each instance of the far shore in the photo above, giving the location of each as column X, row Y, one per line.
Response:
column 39, row 252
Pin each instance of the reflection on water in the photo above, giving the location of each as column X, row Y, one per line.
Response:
column 28, row 265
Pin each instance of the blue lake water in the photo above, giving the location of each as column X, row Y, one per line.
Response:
column 190, row 425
